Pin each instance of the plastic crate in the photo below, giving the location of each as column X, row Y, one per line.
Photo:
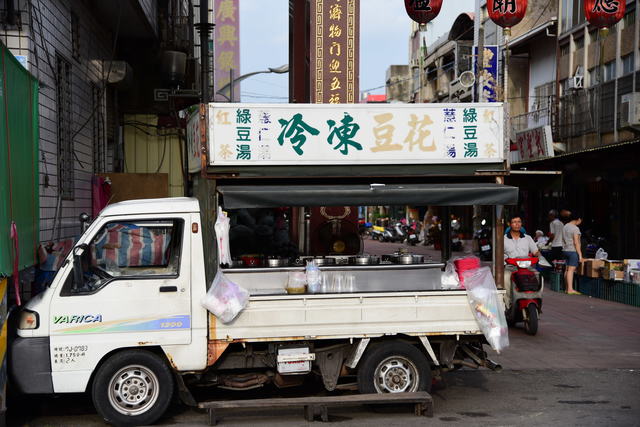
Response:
column 610, row 290
column 556, row 281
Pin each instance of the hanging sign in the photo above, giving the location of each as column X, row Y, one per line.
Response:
column 604, row 13
column 488, row 76
column 532, row 144
column 335, row 51
column 349, row 134
column 422, row 11
column 506, row 13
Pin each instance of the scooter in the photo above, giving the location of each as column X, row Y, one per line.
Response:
column 483, row 237
column 378, row 233
column 412, row 235
column 526, row 294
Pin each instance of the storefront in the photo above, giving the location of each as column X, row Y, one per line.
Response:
column 601, row 183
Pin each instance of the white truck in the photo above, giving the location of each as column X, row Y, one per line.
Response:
column 123, row 319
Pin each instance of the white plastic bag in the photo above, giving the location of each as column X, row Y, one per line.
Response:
column 222, row 237
column 225, row 299
column 601, row 254
column 485, row 305
column 449, row 278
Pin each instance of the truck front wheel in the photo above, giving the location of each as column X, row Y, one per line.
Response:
column 394, row 367
column 132, row 388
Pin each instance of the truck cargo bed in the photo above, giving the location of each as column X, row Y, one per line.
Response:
column 329, row 316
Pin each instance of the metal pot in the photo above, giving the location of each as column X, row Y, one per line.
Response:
column 406, row 259
column 237, row 263
column 277, row 262
column 364, row 260
column 251, row 260
column 322, row 261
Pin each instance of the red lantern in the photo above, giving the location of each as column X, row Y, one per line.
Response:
column 506, row 13
column 604, row 13
column 422, row 11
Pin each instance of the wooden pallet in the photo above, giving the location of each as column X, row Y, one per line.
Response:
column 318, row 406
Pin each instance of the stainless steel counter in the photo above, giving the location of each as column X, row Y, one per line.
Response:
column 368, row 278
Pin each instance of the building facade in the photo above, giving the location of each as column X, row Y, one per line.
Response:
column 95, row 62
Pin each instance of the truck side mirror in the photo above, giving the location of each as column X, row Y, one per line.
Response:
column 78, row 276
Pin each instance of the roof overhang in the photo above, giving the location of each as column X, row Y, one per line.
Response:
column 269, row 196
column 529, row 35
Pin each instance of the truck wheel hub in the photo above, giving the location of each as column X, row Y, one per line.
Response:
column 133, row 390
column 396, row 374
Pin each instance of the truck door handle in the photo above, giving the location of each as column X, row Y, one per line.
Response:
column 168, row 289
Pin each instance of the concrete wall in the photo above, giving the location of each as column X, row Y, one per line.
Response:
column 542, row 66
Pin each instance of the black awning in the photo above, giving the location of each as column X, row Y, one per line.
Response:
column 268, row 196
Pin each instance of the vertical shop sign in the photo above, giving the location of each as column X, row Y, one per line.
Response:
column 334, row 51
column 226, row 49
column 488, row 77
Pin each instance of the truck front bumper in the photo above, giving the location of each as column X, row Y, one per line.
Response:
column 30, row 365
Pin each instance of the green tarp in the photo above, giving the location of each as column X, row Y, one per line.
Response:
column 19, row 201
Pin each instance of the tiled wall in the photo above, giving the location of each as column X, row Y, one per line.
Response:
column 46, row 29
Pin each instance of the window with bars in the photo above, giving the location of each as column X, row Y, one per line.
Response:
column 65, row 142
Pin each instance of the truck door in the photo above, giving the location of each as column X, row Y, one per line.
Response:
column 134, row 291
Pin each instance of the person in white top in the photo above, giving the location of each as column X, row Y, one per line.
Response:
column 555, row 235
column 516, row 243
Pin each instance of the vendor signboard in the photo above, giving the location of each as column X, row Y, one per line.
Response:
column 324, row 134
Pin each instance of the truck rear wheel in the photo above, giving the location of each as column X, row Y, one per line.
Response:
column 394, row 367
column 133, row 388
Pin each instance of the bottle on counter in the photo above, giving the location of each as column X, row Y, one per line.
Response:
column 314, row 277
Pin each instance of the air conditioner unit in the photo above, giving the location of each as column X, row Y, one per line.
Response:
column 630, row 110
column 576, row 82
column 458, row 90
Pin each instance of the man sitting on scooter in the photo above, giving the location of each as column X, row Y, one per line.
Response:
column 517, row 244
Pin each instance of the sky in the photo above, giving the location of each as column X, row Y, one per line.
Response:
column 384, row 40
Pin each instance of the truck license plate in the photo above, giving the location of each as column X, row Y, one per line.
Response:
column 293, row 361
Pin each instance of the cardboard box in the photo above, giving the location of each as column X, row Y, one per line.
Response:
column 592, row 268
column 582, row 267
column 611, row 269
column 616, row 275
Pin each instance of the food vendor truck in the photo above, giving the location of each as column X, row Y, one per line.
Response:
column 123, row 318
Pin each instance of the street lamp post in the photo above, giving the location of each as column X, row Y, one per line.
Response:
column 227, row 90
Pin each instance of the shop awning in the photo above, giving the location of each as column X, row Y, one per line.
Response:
column 266, row 196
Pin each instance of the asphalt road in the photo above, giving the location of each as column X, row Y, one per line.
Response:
column 582, row 369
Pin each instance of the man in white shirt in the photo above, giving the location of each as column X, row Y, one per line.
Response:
column 516, row 243
column 555, row 235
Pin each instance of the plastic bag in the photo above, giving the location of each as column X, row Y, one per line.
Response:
column 485, row 305
column 601, row 254
column 222, row 237
column 224, row 298
column 449, row 278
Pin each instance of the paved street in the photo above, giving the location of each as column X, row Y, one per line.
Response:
column 583, row 368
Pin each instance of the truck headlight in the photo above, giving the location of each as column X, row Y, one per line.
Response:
column 29, row 320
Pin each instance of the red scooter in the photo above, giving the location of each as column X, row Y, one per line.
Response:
column 525, row 302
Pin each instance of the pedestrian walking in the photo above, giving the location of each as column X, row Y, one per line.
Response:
column 555, row 235
column 571, row 249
